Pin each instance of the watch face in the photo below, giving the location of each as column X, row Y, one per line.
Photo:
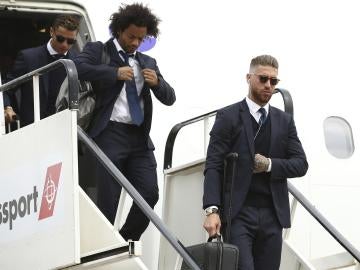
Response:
column 211, row 210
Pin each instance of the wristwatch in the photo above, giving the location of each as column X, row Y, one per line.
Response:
column 211, row 210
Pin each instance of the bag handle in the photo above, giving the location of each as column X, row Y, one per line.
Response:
column 220, row 247
column 216, row 237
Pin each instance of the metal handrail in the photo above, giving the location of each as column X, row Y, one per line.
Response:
column 169, row 146
column 137, row 198
column 71, row 75
column 288, row 103
column 324, row 222
column 288, row 107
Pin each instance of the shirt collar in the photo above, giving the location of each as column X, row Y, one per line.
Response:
column 253, row 107
column 51, row 49
column 118, row 47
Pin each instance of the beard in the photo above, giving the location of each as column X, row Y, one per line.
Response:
column 261, row 98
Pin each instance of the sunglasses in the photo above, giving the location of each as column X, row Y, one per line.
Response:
column 61, row 39
column 264, row 79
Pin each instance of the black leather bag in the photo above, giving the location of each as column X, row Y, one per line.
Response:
column 214, row 255
column 87, row 96
column 86, row 102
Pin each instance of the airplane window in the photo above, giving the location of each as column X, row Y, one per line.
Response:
column 338, row 137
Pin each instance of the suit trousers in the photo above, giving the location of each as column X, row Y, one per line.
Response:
column 258, row 235
column 126, row 146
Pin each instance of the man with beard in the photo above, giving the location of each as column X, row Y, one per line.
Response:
column 269, row 151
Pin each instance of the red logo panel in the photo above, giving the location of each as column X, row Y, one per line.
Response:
column 50, row 191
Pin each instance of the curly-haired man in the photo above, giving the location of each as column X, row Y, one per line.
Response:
column 123, row 109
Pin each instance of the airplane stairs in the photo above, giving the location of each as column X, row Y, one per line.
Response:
column 186, row 181
column 48, row 222
column 46, row 219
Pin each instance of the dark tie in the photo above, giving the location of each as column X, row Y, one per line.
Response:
column 261, row 121
column 262, row 117
column 132, row 96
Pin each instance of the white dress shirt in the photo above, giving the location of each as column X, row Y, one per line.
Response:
column 121, row 111
column 51, row 49
column 254, row 109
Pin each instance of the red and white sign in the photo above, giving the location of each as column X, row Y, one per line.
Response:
column 50, row 191
column 39, row 195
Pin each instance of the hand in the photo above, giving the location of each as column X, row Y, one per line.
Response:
column 125, row 73
column 9, row 114
column 150, row 77
column 261, row 163
column 212, row 224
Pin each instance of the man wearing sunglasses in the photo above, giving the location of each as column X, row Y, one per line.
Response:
column 63, row 34
column 123, row 109
column 269, row 152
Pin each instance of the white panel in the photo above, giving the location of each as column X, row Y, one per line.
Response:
column 189, row 144
column 94, row 223
column 292, row 259
column 342, row 211
column 40, row 240
column 117, row 262
column 300, row 231
column 182, row 211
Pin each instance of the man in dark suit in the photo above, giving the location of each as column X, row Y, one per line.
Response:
column 123, row 109
column 63, row 35
column 269, row 152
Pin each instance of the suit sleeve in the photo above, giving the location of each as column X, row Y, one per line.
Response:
column 219, row 147
column 89, row 66
column 9, row 98
column 163, row 92
column 294, row 164
column 20, row 68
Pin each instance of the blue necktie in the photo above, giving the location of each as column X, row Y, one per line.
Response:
column 262, row 117
column 261, row 121
column 132, row 96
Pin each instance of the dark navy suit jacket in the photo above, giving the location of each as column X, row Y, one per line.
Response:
column 89, row 67
column 27, row 61
column 233, row 132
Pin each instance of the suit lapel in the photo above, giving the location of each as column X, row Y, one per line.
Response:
column 275, row 127
column 140, row 59
column 114, row 54
column 246, row 120
column 244, row 114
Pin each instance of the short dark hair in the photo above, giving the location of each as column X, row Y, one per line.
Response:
column 264, row 60
column 136, row 14
column 70, row 22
